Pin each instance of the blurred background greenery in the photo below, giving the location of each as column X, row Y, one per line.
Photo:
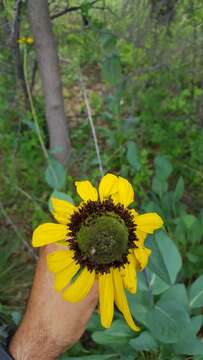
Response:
column 141, row 63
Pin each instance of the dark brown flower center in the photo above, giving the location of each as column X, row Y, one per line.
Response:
column 104, row 238
column 101, row 234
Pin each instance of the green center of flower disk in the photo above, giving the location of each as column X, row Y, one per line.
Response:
column 104, row 238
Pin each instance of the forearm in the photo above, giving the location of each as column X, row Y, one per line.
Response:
column 35, row 338
column 50, row 324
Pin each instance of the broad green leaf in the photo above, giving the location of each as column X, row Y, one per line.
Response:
column 196, row 293
column 144, row 342
column 165, row 260
column 55, row 174
column 176, row 293
column 163, row 167
column 94, row 324
column 192, row 257
column 179, row 189
column 169, row 322
column 159, row 185
column 188, row 220
column 133, row 155
column 198, row 357
column 119, row 328
column 111, row 70
column 189, row 347
column 62, row 196
column 157, row 285
column 91, row 357
column 104, row 338
column 140, row 304
column 196, row 323
column 196, row 232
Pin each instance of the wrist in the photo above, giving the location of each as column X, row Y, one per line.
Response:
column 33, row 344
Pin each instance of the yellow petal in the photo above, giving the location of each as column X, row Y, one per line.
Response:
column 108, row 186
column 142, row 256
column 148, row 222
column 58, row 260
column 133, row 213
column 62, row 210
column 141, row 236
column 49, row 233
column 81, row 286
column 121, row 301
column 63, row 278
column 125, row 194
column 86, row 190
column 129, row 275
column 106, row 299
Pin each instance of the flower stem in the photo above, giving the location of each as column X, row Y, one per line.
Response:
column 90, row 118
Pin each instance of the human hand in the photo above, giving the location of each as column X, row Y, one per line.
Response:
column 50, row 324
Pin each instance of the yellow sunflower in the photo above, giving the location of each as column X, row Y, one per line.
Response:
column 104, row 241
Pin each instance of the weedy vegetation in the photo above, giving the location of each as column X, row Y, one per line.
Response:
column 140, row 65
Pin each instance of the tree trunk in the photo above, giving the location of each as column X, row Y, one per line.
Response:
column 14, row 36
column 48, row 64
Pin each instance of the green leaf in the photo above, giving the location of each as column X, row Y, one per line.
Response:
column 140, row 304
column 104, row 338
column 168, row 322
column 16, row 317
column 94, row 324
column 188, row 220
column 196, row 293
column 163, row 167
column 55, row 174
column 92, row 357
column 189, row 347
column 157, row 285
column 196, row 323
column 165, row 260
column 133, row 155
column 159, row 186
column 176, row 293
column 111, row 70
column 108, row 42
column 196, row 232
column 179, row 190
column 119, row 328
column 144, row 342
column 118, row 334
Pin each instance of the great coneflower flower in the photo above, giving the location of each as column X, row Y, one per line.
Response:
column 104, row 241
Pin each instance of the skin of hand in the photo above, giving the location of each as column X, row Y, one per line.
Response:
column 50, row 324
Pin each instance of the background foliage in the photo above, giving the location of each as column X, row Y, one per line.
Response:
column 142, row 64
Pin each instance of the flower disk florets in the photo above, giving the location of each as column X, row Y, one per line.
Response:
column 101, row 235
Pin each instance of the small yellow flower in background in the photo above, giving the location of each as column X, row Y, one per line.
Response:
column 25, row 40
column 104, row 241
column 21, row 40
column 29, row 40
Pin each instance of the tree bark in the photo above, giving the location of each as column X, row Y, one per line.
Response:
column 47, row 58
column 14, row 36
